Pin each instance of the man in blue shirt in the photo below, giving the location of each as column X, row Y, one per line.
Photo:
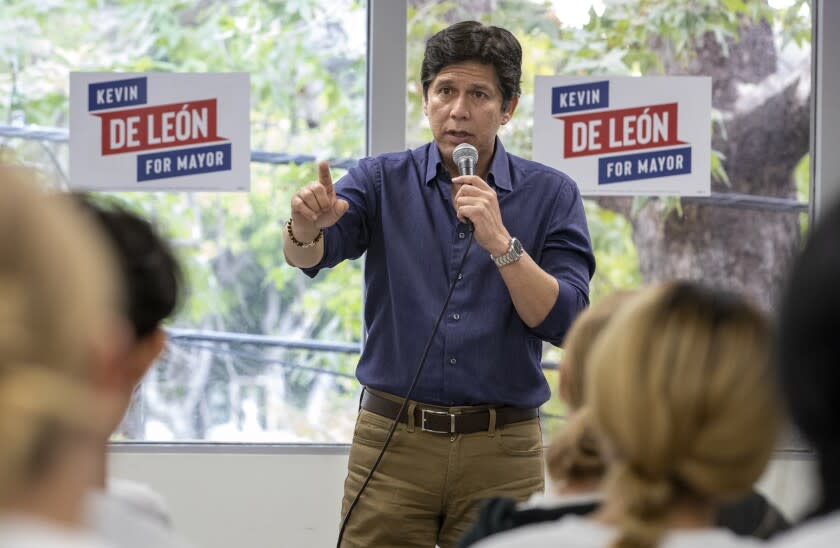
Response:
column 471, row 429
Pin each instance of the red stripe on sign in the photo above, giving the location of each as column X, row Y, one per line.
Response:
column 161, row 126
column 620, row 130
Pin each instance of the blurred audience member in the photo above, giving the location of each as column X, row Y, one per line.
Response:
column 680, row 391
column 129, row 514
column 809, row 350
column 575, row 462
column 58, row 307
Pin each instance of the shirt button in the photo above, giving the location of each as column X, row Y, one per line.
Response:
column 461, row 235
column 456, row 317
column 453, row 361
column 460, row 275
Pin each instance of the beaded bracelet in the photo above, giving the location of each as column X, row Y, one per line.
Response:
column 298, row 242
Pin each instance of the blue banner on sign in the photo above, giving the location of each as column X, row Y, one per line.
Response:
column 580, row 97
column 117, row 93
column 645, row 165
column 188, row 161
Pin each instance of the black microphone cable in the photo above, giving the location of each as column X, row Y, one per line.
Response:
column 411, row 387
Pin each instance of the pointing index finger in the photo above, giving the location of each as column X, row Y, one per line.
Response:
column 324, row 176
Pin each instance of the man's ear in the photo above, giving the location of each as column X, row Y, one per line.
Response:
column 508, row 113
column 146, row 351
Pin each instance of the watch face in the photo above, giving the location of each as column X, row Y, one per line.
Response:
column 517, row 247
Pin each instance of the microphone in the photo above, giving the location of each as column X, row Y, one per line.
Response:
column 465, row 157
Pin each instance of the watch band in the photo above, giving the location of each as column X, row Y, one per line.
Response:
column 513, row 254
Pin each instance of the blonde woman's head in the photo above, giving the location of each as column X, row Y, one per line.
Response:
column 681, row 390
column 57, row 303
column 575, row 454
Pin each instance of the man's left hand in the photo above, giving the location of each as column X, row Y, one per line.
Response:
column 477, row 201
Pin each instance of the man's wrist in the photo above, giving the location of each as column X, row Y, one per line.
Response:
column 514, row 252
column 301, row 237
column 500, row 245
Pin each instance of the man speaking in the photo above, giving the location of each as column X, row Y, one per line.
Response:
column 471, row 428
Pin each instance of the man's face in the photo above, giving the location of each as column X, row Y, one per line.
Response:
column 464, row 105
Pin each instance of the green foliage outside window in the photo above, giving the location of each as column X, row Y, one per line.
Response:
column 306, row 61
column 307, row 64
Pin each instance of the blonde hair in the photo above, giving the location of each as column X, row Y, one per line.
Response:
column 57, row 298
column 575, row 453
column 681, row 389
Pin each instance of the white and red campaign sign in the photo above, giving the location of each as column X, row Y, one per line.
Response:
column 625, row 135
column 160, row 131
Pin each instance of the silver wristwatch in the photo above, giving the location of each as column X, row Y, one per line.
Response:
column 513, row 254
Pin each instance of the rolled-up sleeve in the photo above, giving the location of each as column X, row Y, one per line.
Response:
column 350, row 236
column 567, row 255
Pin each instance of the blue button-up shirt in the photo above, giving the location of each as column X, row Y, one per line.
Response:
column 401, row 214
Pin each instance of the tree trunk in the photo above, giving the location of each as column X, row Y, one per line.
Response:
column 746, row 250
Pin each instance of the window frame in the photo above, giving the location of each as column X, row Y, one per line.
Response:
column 825, row 113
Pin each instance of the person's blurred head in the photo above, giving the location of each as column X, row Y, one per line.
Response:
column 152, row 281
column 809, row 348
column 59, row 303
column 682, row 392
column 575, row 454
column 579, row 342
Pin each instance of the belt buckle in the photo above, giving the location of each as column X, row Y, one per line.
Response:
column 433, row 412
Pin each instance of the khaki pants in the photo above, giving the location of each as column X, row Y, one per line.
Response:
column 427, row 488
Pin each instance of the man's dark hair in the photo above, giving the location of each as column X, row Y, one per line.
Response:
column 152, row 276
column 472, row 41
column 809, row 351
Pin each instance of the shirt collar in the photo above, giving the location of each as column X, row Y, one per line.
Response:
column 432, row 163
column 498, row 175
column 500, row 168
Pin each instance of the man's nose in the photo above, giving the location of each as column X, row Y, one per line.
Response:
column 460, row 107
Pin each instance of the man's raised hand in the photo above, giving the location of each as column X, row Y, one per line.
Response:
column 315, row 206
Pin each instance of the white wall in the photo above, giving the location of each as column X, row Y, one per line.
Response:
column 290, row 497
column 259, row 498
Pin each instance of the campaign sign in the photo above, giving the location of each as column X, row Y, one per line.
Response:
column 624, row 135
column 160, row 131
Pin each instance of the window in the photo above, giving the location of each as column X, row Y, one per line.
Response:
column 759, row 58
column 260, row 353
column 228, row 373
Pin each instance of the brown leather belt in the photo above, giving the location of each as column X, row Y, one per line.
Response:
column 440, row 420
